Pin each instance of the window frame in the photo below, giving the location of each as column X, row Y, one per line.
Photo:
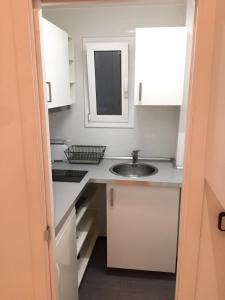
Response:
column 91, row 47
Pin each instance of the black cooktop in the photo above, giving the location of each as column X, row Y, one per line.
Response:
column 68, row 175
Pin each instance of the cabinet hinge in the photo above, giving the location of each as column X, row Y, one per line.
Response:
column 47, row 234
column 89, row 117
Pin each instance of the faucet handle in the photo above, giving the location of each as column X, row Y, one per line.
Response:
column 136, row 151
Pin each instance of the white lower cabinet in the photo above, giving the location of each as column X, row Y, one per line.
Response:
column 142, row 227
column 66, row 260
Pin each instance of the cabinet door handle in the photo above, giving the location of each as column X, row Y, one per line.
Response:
column 111, row 197
column 49, row 91
column 140, row 91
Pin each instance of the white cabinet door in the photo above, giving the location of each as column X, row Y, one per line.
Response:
column 142, row 227
column 66, row 259
column 160, row 65
column 56, row 59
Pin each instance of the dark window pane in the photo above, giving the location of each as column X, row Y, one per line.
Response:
column 108, row 82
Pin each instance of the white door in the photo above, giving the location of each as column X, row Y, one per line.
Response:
column 201, row 265
column 142, row 227
column 211, row 275
column 160, row 65
column 66, row 260
column 26, row 260
column 56, row 59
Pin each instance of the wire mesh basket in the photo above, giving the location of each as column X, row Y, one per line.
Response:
column 80, row 154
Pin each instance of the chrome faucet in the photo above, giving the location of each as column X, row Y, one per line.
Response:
column 134, row 155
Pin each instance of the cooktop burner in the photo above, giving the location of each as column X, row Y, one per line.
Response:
column 68, row 175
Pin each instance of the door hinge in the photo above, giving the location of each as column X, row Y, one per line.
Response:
column 47, row 234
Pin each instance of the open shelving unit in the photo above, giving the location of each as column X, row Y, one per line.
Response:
column 82, row 210
column 83, row 229
column 86, row 234
column 71, row 69
column 85, row 255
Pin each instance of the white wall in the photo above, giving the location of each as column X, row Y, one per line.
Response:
column 156, row 128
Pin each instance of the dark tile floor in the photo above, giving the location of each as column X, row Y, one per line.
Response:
column 101, row 283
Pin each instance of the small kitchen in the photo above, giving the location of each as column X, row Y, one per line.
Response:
column 116, row 82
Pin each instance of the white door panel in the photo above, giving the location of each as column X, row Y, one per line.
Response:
column 66, row 259
column 160, row 65
column 142, row 227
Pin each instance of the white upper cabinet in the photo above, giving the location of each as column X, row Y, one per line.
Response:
column 57, row 69
column 160, row 65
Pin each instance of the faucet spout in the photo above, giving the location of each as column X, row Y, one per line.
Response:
column 134, row 155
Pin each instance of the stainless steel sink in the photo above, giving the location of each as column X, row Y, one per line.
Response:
column 133, row 170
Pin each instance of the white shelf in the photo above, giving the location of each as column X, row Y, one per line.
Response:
column 71, row 48
column 81, row 211
column 83, row 229
column 72, row 92
column 85, row 257
column 86, row 231
column 72, row 71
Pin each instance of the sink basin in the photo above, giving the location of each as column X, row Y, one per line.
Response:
column 133, row 170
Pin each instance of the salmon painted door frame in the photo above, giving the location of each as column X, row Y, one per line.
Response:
column 27, row 260
column 193, row 191
column 196, row 147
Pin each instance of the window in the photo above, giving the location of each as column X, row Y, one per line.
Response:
column 107, row 70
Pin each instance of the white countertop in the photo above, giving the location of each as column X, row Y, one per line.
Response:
column 65, row 194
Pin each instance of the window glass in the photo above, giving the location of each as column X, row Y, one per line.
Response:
column 108, row 82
